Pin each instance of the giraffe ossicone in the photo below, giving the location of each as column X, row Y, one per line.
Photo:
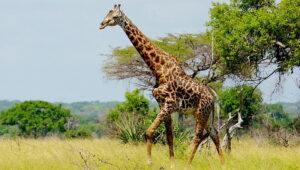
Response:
column 174, row 91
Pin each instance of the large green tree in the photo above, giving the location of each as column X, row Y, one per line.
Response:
column 36, row 118
column 252, row 34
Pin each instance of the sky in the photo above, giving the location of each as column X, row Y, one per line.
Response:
column 51, row 49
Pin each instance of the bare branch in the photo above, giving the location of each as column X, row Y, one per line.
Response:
column 280, row 44
column 226, row 144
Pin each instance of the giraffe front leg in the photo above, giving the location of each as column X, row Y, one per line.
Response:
column 150, row 131
column 168, row 125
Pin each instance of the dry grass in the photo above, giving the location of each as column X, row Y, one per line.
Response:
column 59, row 154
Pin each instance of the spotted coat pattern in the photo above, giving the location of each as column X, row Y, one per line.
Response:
column 174, row 91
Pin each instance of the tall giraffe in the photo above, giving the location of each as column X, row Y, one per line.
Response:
column 174, row 91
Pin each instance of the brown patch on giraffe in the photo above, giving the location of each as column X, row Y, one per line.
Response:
column 148, row 62
column 127, row 32
column 151, row 66
column 131, row 37
column 157, row 59
column 140, row 49
column 162, row 61
column 135, row 43
column 149, row 48
column 140, row 39
column 152, row 54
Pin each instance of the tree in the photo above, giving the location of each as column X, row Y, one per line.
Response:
column 277, row 115
column 36, row 118
column 135, row 103
column 251, row 34
column 127, row 120
column 251, row 103
column 193, row 50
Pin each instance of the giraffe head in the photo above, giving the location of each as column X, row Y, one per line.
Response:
column 112, row 18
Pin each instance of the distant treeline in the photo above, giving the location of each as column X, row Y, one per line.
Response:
column 93, row 109
column 89, row 109
column 127, row 120
column 293, row 109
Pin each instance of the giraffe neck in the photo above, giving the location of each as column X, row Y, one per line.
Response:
column 153, row 56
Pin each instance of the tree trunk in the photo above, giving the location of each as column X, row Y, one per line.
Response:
column 226, row 144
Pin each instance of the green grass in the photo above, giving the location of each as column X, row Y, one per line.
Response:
column 52, row 153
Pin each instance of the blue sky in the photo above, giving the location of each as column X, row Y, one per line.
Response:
column 50, row 50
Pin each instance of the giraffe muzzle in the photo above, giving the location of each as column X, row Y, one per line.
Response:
column 102, row 26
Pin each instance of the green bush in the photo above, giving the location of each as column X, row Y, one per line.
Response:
column 130, row 120
column 36, row 118
column 231, row 98
column 130, row 128
column 79, row 133
column 10, row 131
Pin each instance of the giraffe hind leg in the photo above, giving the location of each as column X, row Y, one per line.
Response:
column 169, row 135
column 213, row 133
column 199, row 137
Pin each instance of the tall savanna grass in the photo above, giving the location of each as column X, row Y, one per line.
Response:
column 53, row 153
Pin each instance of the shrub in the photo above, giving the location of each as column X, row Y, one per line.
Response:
column 36, row 118
column 10, row 131
column 79, row 133
column 130, row 128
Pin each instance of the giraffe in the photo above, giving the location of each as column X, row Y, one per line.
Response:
column 174, row 91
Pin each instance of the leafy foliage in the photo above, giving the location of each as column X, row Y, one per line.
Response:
column 251, row 33
column 79, row 133
column 241, row 97
column 36, row 118
column 277, row 116
column 134, row 102
column 130, row 119
column 130, row 127
column 10, row 131
column 82, row 127
column 127, row 120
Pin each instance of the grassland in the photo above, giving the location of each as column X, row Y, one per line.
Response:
column 52, row 153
